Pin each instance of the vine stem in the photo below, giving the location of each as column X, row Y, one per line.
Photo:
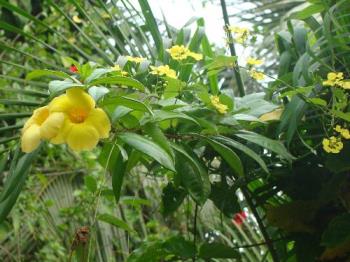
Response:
column 261, row 225
column 232, row 50
column 195, row 230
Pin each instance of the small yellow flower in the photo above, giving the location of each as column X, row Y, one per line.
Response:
column 253, row 61
column 178, row 52
column 136, row 59
column 257, row 75
column 345, row 133
column 333, row 79
column 240, row 33
column 84, row 124
column 163, row 70
column 221, row 108
column 76, row 19
column 117, row 68
column 41, row 125
column 332, row 145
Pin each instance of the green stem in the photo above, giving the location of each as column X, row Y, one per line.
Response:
column 195, row 230
column 261, row 225
column 232, row 50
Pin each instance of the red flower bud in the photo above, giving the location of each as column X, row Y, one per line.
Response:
column 73, row 69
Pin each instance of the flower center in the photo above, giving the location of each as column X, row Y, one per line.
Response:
column 77, row 115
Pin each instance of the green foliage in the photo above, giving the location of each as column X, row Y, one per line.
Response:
column 175, row 170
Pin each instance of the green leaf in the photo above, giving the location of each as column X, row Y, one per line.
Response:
column 338, row 231
column 225, row 199
column 97, row 92
column 221, row 62
column 172, row 198
column 90, row 183
column 118, row 172
column 15, row 181
column 45, row 72
column 244, row 149
column 152, row 26
column 273, row 145
column 228, row 155
column 118, row 80
column 179, row 247
column 317, row 101
column 133, row 201
column 98, row 72
column 309, row 11
column 149, row 148
column 157, row 136
column 110, row 219
column 124, row 101
column 192, row 174
column 161, row 115
column 57, row 86
column 217, row 250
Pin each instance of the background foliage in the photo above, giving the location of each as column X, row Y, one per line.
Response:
column 174, row 177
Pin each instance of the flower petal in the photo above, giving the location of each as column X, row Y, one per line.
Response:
column 99, row 119
column 52, row 125
column 30, row 139
column 60, row 104
column 82, row 137
column 39, row 116
column 80, row 98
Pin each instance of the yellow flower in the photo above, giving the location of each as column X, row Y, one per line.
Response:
column 221, row 108
column 241, row 33
column 164, row 70
column 195, row 56
column 76, row 19
column 253, row 61
column 180, row 52
column 41, row 125
column 117, row 68
column 343, row 131
column 84, row 124
column 332, row 145
column 257, row 75
column 135, row 59
column 333, row 78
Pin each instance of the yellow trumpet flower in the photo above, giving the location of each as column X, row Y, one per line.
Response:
column 70, row 118
column 84, row 124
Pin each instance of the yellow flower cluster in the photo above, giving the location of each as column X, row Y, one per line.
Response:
column 256, row 75
column 221, row 108
column 241, row 34
column 345, row 133
column 70, row 118
column 135, row 59
column 163, row 70
column 180, row 52
column 337, row 79
column 332, row 145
